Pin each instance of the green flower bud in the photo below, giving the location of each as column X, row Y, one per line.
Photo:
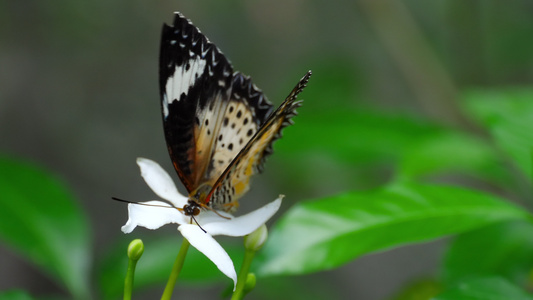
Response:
column 250, row 283
column 255, row 240
column 135, row 249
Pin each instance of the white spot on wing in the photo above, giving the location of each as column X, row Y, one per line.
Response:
column 181, row 81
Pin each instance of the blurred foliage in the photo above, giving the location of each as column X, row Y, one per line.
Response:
column 506, row 250
column 416, row 147
column 41, row 220
column 493, row 288
column 420, row 290
column 508, row 116
column 405, row 96
column 15, row 295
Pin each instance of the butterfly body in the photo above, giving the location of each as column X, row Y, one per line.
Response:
column 218, row 125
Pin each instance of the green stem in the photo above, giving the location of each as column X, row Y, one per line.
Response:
column 135, row 251
column 128, row 282
column 178, row 264
column 243, row 275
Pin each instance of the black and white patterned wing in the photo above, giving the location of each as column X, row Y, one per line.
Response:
column 209, row 112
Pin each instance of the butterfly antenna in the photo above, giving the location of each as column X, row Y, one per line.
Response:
column 140, row 203
column 193, row 218
column 122, row 200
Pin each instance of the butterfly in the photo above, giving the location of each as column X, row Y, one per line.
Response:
column 219, row 127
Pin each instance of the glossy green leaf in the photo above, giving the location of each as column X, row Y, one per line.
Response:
column 43, row 222
column 327, row 233
column 156, row 263
column 502, row 249
column 508, row 115
column 488, row 288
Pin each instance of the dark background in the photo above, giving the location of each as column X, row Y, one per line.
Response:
column 79, row 96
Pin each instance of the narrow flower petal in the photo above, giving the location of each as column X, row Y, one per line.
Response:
column 245, row 224
column 152, row 215
column 206, row 244
column 160, row 182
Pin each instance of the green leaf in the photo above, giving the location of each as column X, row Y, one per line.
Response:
column 502, row 249
column 488, row 288
column 156, row 263
column 42, row 221
column 508, row 115
column 327, row 233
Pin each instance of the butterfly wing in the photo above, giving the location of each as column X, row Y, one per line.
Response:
column 207, row 109
column 247, row 109
column 235, row 180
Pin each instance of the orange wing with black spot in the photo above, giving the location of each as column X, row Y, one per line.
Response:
column 235, row 180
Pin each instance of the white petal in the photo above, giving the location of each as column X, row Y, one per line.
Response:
column 160, row 182
column 206, row 244
column 152, row 215
column 209, row 216
column 246, row 224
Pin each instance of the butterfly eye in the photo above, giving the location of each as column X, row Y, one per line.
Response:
column 191, row 209
column 195, row 211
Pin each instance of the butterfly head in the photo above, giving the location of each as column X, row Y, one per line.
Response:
column 197, row 200
column 192, row 208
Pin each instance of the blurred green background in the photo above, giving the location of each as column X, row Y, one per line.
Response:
column 79, row 96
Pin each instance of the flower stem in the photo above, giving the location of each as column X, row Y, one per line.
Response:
column 178, row 264
column 243, row 275
column 135, row 251
column 128, row 282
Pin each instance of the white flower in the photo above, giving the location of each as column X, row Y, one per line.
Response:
column 154, row 214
